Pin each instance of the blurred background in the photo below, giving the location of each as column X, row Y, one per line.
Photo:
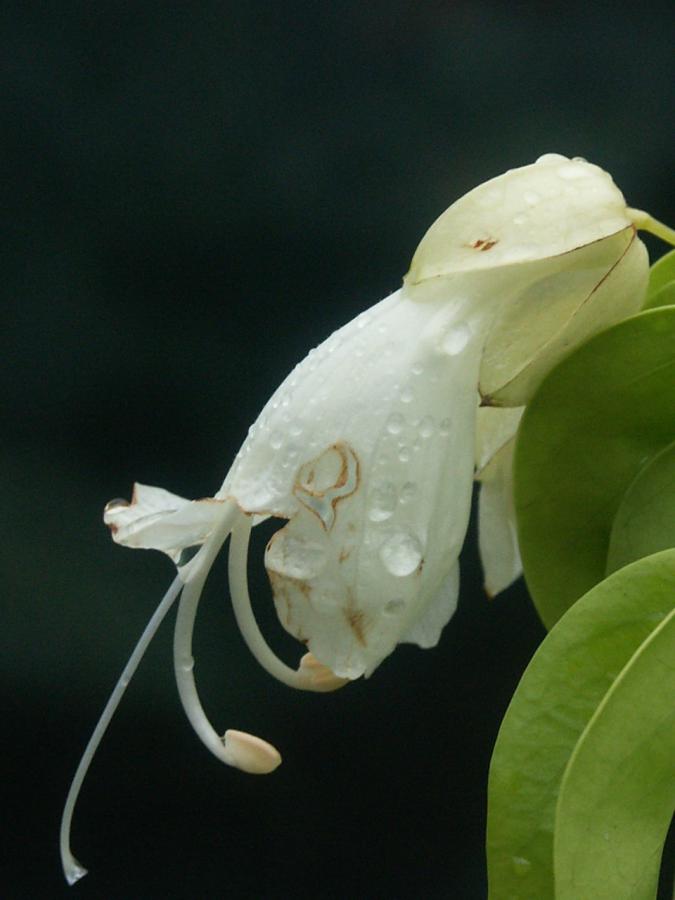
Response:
column 195, row 195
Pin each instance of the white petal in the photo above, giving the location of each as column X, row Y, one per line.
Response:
column 497, row 533
column 426, row 631
column 368, row 449
column 156, row 519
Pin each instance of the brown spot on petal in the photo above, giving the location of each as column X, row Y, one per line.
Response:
column 356, row 621
column 323, row 503
column 483, row 244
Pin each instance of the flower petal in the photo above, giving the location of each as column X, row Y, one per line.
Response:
column 562, row 302
column 495, row 427
column 531, row 213
column 426, row 631
column 497, row 533
column 156, row 519
column 379, row 509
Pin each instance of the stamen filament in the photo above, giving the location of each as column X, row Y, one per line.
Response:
column 72, row 869
column 308, row 677
column 645, row 222
column 260, row 757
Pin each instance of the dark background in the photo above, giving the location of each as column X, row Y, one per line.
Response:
column 194, row 196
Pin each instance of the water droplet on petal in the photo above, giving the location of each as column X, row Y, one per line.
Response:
column 382, row 502
column 456, row 339
column 521, row 866
column 295, row 557
column 445, row 427
column 395, row 423
column 531, row 198
column 417, row 369
column 427, row 427
column 276, row 440
column 394, row 607
column 571, row 171
column 407, row 493
column 401, row 553
column 551, row 158
column 404, row 454
column 406, row 395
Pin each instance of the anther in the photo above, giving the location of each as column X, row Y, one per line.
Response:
column 319, row 677
column 249, row 753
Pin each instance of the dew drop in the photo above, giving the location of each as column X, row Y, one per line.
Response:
column 531, row 198
column 394, row 607
column 406, row 395
column 456, row 339
column 401, row 553
column 572, row 171
column 445, row 427
column 521, row 866
column 404, row 454
column 295, row 430
column 519, row 220
column 324, row 601
column 295, row 557
column 427, row 427
column 417, row 369
column 395, row 423
column 276, row 440
column 382, row 502
column 407, row 493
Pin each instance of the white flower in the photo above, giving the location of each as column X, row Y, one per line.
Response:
column 369, row 447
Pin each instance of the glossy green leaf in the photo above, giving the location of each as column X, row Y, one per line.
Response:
column 563, row 686
column 663, row 297
column 618, row 792
column 661, row 274
column 595, row 421
column 645, row 521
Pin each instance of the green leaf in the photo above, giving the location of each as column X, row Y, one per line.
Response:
column 661, row 274
column 565, row 682
column 663, row 297
column 645, row 521
column 618, row 792
column 597, row 418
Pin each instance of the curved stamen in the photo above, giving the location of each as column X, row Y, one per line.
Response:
column 235, row 748
column 71, row 867
column 311, row 675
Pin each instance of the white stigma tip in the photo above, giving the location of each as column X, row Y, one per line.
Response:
column 249, row 753
column 320, row 677
column 73, row 871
